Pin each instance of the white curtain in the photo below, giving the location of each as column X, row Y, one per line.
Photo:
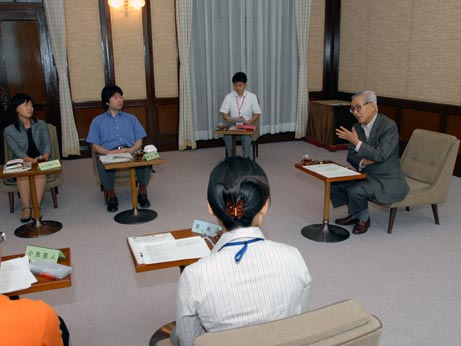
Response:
column 184, row 27
column 303, row 9
column 257, row 37
column 55, row 18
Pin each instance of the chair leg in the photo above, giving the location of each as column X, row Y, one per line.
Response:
column 391, row 220
column 257, row 149
column 53, row 191
column 435, row 211
column 11, row 199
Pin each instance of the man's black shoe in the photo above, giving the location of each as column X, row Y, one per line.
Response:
column 143, row 201
column 112, row 205
column 348, row 220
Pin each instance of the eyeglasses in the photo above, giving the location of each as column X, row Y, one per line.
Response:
column 357, row 108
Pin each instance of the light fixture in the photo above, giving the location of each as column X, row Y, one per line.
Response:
column 126, row 5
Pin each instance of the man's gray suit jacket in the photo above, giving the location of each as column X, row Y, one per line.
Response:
column 385, row 176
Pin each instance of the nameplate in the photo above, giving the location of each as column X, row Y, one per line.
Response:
column 151, row 156
column 44, row 253
column 43, row 166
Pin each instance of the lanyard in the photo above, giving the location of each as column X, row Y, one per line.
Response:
column 241, row 252
column 237, row 101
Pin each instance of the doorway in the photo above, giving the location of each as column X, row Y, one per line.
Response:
column 26, row 65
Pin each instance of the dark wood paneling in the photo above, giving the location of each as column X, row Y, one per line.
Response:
column 390, row 111
column 168, row 116
column 139, row 112
column 83, row 117
column 331, row 48
column 454, row 127
column 21, row 64
column 412, row 119
column 106, row 41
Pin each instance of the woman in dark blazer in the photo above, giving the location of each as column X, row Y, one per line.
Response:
column 28, row 139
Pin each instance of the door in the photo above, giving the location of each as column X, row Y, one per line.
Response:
column 26, row 65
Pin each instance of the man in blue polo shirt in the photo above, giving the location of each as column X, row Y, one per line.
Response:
column 117, row 132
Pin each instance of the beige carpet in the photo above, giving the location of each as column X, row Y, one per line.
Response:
column 410, row 280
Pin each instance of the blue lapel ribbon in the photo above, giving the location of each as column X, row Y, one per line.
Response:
column 241, row 252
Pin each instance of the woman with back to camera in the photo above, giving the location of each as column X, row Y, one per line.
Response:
column 246, row 279
column 28, row 139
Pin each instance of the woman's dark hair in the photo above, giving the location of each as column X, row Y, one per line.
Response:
column 237, row 183
column 239, row 77
column 16, row 101
column 107, row 92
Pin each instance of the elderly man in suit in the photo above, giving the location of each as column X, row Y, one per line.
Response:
column 373, row 150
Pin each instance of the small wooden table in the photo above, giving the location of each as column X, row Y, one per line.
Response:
column 164, row 332
column 36, row 228
column 325, row 232
column 135, row 215
column 45, row 284
column 234, row 134
column 179, row 234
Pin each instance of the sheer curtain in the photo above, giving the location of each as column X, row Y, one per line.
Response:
column 257, row 37
column 54, row 11
column 186, row 121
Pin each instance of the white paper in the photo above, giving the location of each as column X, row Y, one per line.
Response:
column 164, row 247
column 331, row 170
column 15, row 275
column 137, row 243
column 114, row 158
column 180, row 249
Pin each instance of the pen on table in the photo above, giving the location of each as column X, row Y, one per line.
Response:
column 48, row 276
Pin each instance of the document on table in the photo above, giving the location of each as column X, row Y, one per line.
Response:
column 15, row 275
column 164, row 247
column 331, row 170
column 24, row 167
column 114, row 158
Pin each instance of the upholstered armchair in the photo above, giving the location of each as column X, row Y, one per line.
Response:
column 52, row 180
column 427, row 163
column 343, row 323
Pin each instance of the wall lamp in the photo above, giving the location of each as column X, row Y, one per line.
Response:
column 126, row 5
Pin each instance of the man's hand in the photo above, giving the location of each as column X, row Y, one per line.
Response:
column 366, row 162
column 350, row 136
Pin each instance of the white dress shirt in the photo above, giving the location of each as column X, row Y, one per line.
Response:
column 247, row 105
column 270, row 282
column 367, row 129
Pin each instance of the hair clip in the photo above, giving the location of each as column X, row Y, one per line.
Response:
column 235, row 210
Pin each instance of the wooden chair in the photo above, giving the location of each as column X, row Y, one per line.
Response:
column 52, row 180
column 427, row 163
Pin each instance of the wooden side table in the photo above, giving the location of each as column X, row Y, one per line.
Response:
column 43, row 283
column 36, row 228
column 135, row 215
column 325, row 232
column 234, row 134
column 324, row 118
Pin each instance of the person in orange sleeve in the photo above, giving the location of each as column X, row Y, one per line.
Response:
column 26, row 322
